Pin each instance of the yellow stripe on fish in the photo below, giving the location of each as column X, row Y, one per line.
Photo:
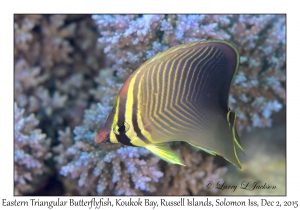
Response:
column 179, row 95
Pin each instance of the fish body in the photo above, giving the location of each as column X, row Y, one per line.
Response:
column 180, row 94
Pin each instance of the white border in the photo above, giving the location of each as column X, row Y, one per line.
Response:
column 153, row 6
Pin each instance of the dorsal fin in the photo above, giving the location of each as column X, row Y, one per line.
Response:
column 171, row 50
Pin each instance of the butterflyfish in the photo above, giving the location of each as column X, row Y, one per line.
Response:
column 180, row 94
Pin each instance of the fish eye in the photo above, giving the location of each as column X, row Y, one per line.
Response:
column 120, row 128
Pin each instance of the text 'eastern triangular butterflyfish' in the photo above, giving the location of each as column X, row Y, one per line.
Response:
column 180, row 94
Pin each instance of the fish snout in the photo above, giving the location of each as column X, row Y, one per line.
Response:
column 102, row 136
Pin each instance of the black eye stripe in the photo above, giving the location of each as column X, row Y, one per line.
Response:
column 121, row 128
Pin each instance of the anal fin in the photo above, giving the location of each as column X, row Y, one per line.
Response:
column 204, row 149
column 165, row 153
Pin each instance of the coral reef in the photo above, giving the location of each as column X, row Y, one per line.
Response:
column 32, row 150
column 63, row 55
column 55, row 57
column 69, row 69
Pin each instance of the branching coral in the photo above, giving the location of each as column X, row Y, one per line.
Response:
column 31, row 151
column 259, row 88
column 54, row 56
column 63, row 53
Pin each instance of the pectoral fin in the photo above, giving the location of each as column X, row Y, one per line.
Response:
column 165, row 153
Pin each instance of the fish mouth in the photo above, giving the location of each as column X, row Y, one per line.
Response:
column 101, row 137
